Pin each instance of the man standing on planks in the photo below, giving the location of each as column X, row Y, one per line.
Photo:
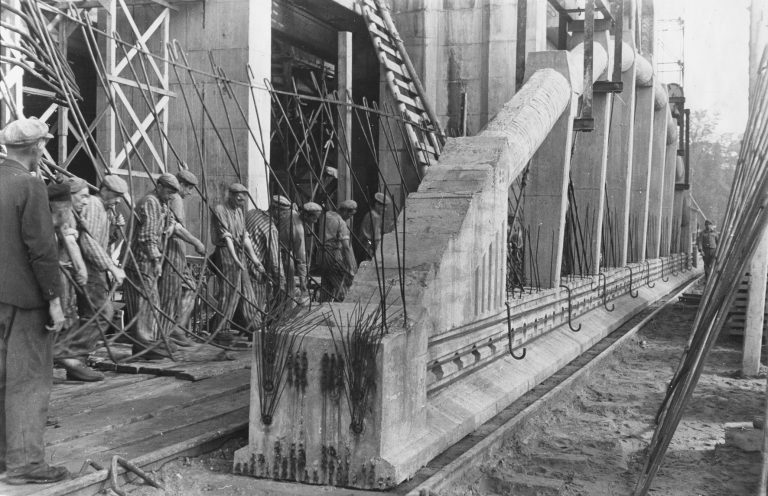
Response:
column 270, row 286
column 29, row 296
column 335, row 257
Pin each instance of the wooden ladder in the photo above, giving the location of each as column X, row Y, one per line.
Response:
column 422, row 126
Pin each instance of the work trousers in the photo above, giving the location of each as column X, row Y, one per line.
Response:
column 26, row 376
column 96, row 312
column 234, row 293
column 709, row 259
column 141, row 303
column 335, row 280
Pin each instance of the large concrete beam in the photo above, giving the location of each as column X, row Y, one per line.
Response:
column 620, row 152
column 668, row 188
column 656, row 177
column 641, row 171
column 547, row 191
column 589, row 168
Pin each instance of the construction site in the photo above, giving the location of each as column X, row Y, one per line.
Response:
column 436, row 247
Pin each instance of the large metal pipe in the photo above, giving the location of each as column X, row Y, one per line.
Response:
column 660, row 95
column 644, row 71
column 671, row 129
column 576, row 63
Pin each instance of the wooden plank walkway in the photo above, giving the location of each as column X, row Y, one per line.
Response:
column 143, row 417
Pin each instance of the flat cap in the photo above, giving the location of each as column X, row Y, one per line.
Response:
column 24, row 132
column 381, row 198
column 59, row 192
column 281, row 201
column 76, row 184
column 115, row 183
column 237, row 188
column 184, row 176
column 312, row 207
column 348, row 205
column 169, row 180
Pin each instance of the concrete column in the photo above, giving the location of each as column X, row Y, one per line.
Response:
column 620, row 145
column 259, row 33
column 344, row 89
column 668, row 186
column 546, row 195
column 656, row 180
column 641, row 170
column 588, row 168
column 753, row 327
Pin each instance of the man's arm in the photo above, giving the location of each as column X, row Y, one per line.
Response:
column 151, row 216
column 69, row 237
column 183, row 234
column 251, row 253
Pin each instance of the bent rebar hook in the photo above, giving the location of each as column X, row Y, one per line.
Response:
column 662, row 270
column 511, row 335
column 605, row 284
column 570, row 309
column 631, row 277
column 648, row 275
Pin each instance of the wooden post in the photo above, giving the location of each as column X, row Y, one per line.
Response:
column 753, row 327
column 260, row 59
column 344, row 89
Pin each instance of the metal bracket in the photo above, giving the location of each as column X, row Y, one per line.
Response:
column 608, row 86
column 682, row 187
column 586, row 124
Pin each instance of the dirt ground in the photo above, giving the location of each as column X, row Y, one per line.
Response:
column 592, row 444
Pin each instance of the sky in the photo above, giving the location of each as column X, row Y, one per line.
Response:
column 715, row 54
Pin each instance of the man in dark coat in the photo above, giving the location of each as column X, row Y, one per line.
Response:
column 707, row 244
column 29, row 297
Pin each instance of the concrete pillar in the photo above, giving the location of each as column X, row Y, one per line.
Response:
column 344, row 89
column 656, row 177
column 620, row 144
column 546, row 195
column 668, row 186
column 588, row 168
column 259, row 36
column 753, row 327
column 641, row 170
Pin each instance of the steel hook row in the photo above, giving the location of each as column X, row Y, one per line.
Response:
column 648, row 275
column 602, row 277
column 570, row 310
column 631, row 282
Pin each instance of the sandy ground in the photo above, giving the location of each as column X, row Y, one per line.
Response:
column 592, row 444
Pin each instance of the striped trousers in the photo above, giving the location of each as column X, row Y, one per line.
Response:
column 141, row 297
column 235, row 294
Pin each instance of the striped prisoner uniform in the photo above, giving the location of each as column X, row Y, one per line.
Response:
column 234, row 291
column 94, row 225
column 265, row 239
column 293, row 251
column 141, row 292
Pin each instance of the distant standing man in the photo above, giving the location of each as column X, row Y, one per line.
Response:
column 145, row 266
column 95, row 223
column 372, row 225
column 707, row 244
column 29, row 297
column 266, row 245
column 176, row 284
column 335, row 257
column 232, row 253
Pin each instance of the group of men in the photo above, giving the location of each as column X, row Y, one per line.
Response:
column 59, row 275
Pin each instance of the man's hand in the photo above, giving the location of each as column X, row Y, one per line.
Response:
column 258, row 266
column 158, row 267
column 119, row 221
column 118, row 274
column 56, row 314
column 81, row 277
column 200, row 248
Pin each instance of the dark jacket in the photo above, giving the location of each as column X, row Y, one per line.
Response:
column 29, row 262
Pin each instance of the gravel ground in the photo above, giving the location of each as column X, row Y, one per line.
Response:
column 593, row 442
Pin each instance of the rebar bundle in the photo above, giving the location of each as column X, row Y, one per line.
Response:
column 744, row 226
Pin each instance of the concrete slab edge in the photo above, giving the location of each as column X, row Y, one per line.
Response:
column 460, row 465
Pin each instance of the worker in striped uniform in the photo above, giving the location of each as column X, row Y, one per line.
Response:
column 335, row 257
column 374, row 225
column 293, row 228
column 176, row 285
column 96, row 219
column 234, row 290
column 265, row 239
column 151, row 231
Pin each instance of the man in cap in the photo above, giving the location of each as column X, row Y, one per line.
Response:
column 372, row 227
column 706, row 242
column 176, row 284
column 292, row 229
column 145, row 265
column 265, row 239
column 96, row 219
column 233, row 245
column 335, row 257
column 30, row 295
